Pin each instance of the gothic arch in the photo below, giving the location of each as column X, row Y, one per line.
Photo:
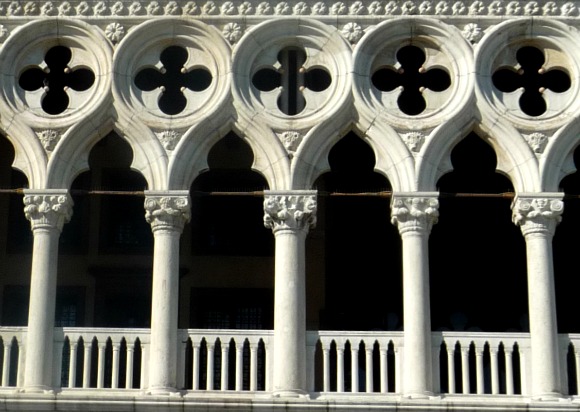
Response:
column 557, row 161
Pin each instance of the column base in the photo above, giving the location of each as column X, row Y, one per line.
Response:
column 291, row 393
column 548, row 396
column 163, row 391
column 419, row 395
column 47, row 390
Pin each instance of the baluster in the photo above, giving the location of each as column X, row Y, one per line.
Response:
column 101, row 366
column 115, row 368
column 268, row 365
column 129, row 370
column 195, row 383
column 6, row 364
column 21, row 359
column 239, row 366
column 384, row 370
column 181, row 363
column 354, row 367
column 87, row 364
column 339, row 369
column 210, row 363
column 369, row 368
column 57, row 363
column 326, row 366
column 253, row 366
column 465, row 369
column 509, row 371
column 72, row 371
column 451, row 369
column 144, row 383
column 479, row 368
column 494, row 371
column 225, row 364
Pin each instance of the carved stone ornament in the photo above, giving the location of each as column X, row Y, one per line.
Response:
column 115, row 32
column 414, row 213
column 537, row 141
column 290, row 210
column 48, row 138
column 291, row 140
column 48, row 210
column 414, row 141
column 167, row 212
column 537, row 214
column 168, row 138
column 472, row 32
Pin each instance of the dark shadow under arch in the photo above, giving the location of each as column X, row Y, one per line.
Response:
column 355, row 245
column 477, row 255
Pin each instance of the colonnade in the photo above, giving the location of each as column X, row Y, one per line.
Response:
column 290, row 215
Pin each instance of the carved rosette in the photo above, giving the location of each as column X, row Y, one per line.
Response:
column 414, row 214
column 537, row 214
column 48, row 210
column 167, row 212
column 290, row 210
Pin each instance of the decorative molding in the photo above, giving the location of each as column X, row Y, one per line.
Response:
column 47, row 209
column 49, row 138
column 224, row 8
column 295, row 210
column 538, row 213
column 472, row 32
column 168, row 138
column 114, row 32
column 352, row 32
column 167, row 211
column 233, row 32
column 416, row 212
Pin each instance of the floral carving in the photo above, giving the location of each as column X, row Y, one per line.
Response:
column 569, row 9
column 114, row 32
column 48, row 138
column 472, row 32
column 51, row 210
column 264, row 8
column 409, row 7
column 232, row 32
column 282, row 8
column 172, row 8
column 537, row 141
column 83, row 8
column 495, row 8
column 167, row 212
column 246, row 8
column 301, row 8
column 319, row 8
column 352, row 32
column 376, row 8
column 228, row 8
column 153, row 8
column 3, row 32
column 209, row 8
column 190, row 8
column 168, row 138
column 426, row 7
column 514, row 8
column 357, row 8
column 414, row 141
column 532, row 8
column 338, row 8
column 291, row 140
column 550, row 9
column 412, row 214
column 100, row 8
column 48, row 9
column 296, row 211
column 459, row 8
column 442, row 8
column 392, row 7
column 477, row 8
column 135, row 8
column 14, row 9
column 118, row 8
column 30, row 8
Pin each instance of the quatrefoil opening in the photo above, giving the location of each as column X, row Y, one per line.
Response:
column 531, row 76
column 56, row 78
column 172, row 79
column 412, row 78
column 291, row 77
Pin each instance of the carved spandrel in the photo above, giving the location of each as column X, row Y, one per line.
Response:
column 414, row 213
column 287, row 211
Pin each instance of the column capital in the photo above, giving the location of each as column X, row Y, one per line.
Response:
column 537, row 212
column 48, row 208
column 415, row 212
column 167, row 210
column 292, row 209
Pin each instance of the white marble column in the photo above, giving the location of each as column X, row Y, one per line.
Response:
column 537, row 215
column 290, row 215
column 414, row 214
column 48, row 211
column 167, row 212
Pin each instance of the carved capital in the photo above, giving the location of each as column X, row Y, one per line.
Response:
column 416, row 212
column 538, row 213
column 167, row 210
column 295, row 210
column 47, row 209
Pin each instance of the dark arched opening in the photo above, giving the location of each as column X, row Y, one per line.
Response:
column 477, row 255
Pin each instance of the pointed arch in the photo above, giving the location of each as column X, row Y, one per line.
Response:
column 558, row 159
